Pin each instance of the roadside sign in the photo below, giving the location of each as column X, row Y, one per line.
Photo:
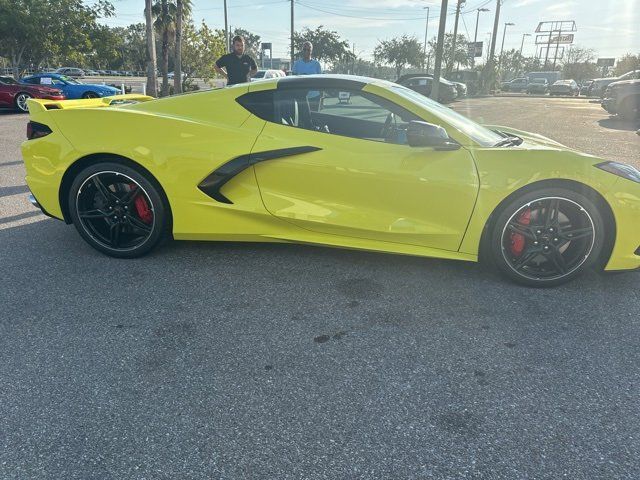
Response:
column 606, row 62
column 265, row 46
column 474, row 49
column 563, row 39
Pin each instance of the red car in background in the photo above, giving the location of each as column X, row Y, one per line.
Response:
column 15, row 95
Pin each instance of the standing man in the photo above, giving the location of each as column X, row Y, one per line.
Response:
column 238, row 67
column 306, row 65
column 309, row 66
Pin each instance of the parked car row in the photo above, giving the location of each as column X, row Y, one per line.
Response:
column 541, row 86
column 79, row 72
column 598, row 86
column 51, row 86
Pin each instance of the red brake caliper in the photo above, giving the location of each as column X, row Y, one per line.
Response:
column 518, row 241
column 142, row 208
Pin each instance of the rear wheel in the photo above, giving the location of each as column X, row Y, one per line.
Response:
column 117, row 210
column 547, row 237
column 21, row 102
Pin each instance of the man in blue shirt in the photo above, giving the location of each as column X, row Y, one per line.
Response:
column 308, row 66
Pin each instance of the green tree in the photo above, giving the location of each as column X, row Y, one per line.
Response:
column 152, row 80
column 460, row 56
column 136, row 46
column 627, row 63
column 399, row 52
column 328, row 46
column 32, row 31
column 578, row 63
column 183, row 10
column 164, row 13
column 201, row 48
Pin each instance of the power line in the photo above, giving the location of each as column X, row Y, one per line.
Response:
column 359, row 16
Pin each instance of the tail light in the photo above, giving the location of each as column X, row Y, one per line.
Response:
column 37, row 130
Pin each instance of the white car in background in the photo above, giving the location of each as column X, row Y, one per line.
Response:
column 262, row 74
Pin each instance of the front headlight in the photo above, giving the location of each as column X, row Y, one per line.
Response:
column 621, row 170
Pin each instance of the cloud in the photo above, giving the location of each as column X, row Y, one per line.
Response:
column 561, row 7
column 524, row 3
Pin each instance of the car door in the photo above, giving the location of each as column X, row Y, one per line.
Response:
column 349, row 171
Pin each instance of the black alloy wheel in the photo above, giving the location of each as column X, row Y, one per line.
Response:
column 117, row 210
column 90, row 95
column 547, row 238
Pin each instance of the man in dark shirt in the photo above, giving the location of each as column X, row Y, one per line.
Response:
column 238, row 67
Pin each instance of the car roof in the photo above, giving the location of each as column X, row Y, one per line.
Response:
column 45, row 74
column 322, row 81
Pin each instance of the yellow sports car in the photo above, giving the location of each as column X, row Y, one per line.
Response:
column 330, row 160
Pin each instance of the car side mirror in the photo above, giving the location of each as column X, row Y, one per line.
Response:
column 424, row 134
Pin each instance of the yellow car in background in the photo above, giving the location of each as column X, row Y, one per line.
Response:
column 285, row 160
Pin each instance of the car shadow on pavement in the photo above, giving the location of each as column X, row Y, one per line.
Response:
column 41, row 244
column 615, row 123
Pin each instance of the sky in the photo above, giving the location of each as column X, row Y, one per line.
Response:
column 610, row 27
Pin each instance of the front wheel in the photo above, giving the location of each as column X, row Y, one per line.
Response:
column 21, row 102
column 90, row 95
column 117, row 210
column 547, row 237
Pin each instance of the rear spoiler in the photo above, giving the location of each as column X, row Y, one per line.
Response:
column 40, row 105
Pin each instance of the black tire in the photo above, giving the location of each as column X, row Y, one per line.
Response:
column 20, row 102
column 90, row 95
column 113, row 221
column 552, row 249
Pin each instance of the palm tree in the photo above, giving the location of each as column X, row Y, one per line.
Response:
column 165, row 16
column 183, row 9
column 152, row 82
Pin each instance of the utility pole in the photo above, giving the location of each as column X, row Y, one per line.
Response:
column 475, row 37
column 435, row 87
column 455, row 34
column 226, row 29
column 424, row 52
column 488, row 77
column 292, row 54
column 555, row 54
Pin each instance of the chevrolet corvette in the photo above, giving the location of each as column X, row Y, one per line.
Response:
column 285, row 160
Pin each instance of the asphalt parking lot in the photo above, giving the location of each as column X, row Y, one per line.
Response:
column 234, row 361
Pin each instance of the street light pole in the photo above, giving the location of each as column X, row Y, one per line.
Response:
column 504, row 34
column 475, row 37
column 522, row 44
column 439, row 48
column 426, row 29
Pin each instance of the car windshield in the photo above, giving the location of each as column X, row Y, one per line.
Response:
column 473, row 130
column 66, row 79
column 8, row 81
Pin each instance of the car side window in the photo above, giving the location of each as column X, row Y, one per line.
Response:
column 344, row 112
column 350, row 113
